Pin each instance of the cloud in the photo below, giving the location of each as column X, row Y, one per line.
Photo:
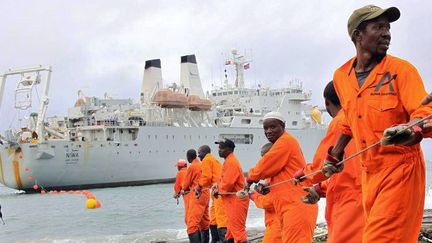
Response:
column 101, row 46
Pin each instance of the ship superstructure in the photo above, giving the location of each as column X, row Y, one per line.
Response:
column 115, row 142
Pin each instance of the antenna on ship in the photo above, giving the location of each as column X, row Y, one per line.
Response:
column 240, row 63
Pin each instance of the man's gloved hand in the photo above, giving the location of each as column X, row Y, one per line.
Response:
column 215, row 191
column 330, row 164
column 175, row 196
column 184, row 192
column 402, row 135
column 198, row 191
column 248, row 183
column 299, row 176
column 314, row 194
column 262, row 187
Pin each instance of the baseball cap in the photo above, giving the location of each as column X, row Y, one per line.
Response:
column 181, row 163
column 226, row 143
column 369, row 12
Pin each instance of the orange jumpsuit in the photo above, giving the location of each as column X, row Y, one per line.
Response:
column 393, row 177
column 178, row 186
column 197, row 212
column 278, row 164
column 273, row 229
column 211, row 173
column 232, row 180
column 343, row 190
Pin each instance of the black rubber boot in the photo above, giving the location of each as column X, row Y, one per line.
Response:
column 214, row 234
column 222, row 232
column 230, row 240
column 195, row 237
column 205, row 236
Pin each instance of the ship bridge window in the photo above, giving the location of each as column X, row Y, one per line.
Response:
column 224, row 93
column 230, row 92
column 294, row 123
column 214, row 94
column 245, row 121
column 238, row 138
column 236, row 92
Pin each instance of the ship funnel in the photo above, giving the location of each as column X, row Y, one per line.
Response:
column 152, row 79
column 189, row 76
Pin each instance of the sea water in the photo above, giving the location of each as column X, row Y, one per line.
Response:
column 128, row 214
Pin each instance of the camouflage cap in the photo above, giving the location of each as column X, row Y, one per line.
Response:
column 369, row 12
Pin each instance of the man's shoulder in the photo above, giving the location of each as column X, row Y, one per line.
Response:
column 397, row 62
column 345, row 68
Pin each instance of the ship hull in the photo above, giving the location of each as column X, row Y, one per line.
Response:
column 149, row 159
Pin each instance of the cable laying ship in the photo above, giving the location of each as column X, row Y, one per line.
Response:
column 106, row 142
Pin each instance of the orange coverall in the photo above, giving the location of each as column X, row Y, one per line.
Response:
column 198, row 215
column 393, row 177
column 211, row 173
column 343, row 190
column 273, row 229
column 232, row 180
column 178, row 186
column 278, row 164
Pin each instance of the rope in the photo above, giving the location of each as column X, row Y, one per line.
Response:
column 353, row 155
column 157, row 204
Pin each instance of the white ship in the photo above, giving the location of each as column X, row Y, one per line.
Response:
column 105, row 142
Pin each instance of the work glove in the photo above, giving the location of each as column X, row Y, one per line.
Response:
column 198, row 191
column 175, row 196
column 262, row 187
column 184, row 192
column 330, row 164
column 314, row 194
column 299, row 176
column 215, row 191
column 248, row 183
column 402, row 135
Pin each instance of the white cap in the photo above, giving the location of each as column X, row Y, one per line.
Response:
column 274, row 115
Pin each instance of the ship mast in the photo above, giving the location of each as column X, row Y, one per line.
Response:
column 240, row 63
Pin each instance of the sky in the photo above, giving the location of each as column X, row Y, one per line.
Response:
column 101, row 46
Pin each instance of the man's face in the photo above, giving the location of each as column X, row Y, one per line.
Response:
column 376, row 37
column 273, row 129
column 201, row 154
column 224, row 151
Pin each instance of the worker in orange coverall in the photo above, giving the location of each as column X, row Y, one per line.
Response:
column 378, row 91
column 181, row 174
column 343, row 190
column 279, row 164
column 428, row 124
column 232, row 181
column 197, row 214
column 211, row 173
column 273, row 229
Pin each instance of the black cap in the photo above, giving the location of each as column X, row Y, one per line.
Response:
column 226, row 143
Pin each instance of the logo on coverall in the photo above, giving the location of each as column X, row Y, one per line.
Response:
column 386, row 80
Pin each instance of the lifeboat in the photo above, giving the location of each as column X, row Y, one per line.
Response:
column 166, row 98
column 195, row 103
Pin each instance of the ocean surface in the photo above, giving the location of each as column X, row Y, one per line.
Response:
column 128, row 214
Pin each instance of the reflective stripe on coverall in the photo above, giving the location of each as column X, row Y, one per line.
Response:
column 232, row 180
column 273, row 229
column 181, row 174
column 278, row 164
column 198, row 215
column 393, row 177
column 211, row 173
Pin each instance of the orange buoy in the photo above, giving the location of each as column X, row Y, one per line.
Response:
column 98, row 204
